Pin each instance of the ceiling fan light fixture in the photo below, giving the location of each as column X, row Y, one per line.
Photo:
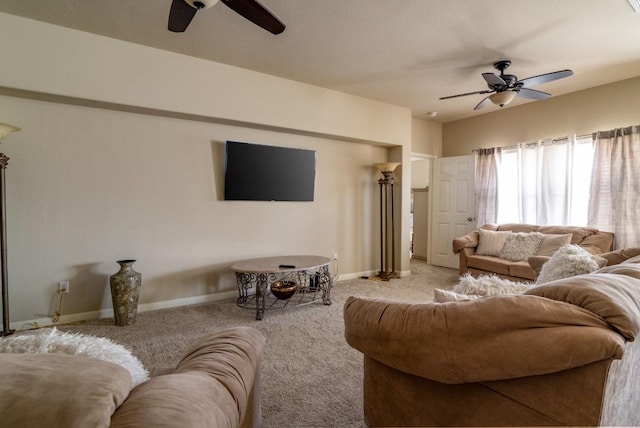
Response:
column 502, row 98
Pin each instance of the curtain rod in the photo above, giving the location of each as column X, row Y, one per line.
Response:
column 553, row 141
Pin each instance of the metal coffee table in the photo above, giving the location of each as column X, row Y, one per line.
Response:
column 311, row 273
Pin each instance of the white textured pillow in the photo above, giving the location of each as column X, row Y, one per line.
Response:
column 490, row 242
column 570, row 260
column 552, row 243
column 520, row 246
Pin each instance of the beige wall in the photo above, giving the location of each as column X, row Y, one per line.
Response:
column 115, row 161
column 426, row 137
column 605, row 107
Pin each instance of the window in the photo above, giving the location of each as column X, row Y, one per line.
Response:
column 546, row 182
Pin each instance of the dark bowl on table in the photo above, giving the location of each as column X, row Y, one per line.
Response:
column 284, row 289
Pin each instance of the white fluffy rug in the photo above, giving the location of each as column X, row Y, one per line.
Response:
column 54, row 342
column 470, row 288
column 489, row 285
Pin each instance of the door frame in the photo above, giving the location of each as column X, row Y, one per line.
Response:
column 431, row 159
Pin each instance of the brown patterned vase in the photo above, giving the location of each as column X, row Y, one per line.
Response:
column 125, row 290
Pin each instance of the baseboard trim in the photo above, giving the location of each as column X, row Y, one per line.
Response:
column 154, row 306
column 108, row 313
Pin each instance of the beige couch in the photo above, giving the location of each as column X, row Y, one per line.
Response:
column 561, row 354
column 593, row 240
column 217, row 384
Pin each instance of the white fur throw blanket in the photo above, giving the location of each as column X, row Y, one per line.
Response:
column 54, row 342
column 489, row 285
column 470, row 288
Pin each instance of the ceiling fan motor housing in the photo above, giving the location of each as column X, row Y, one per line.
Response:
column 201, row 4
column 509, row 79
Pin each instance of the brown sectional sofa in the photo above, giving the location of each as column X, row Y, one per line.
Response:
column 217, row 384
column 562, row 354
column 593, row 240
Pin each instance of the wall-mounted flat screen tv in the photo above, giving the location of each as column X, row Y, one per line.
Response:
column 255, row 172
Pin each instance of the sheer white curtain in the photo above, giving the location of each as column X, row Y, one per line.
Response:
column 614, row 204
column 486, row 185
column 545, row 182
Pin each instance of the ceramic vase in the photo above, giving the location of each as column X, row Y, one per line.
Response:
column 125, row 290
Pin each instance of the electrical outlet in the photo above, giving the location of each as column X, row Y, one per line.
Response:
column 335, row 256
column 63, row 287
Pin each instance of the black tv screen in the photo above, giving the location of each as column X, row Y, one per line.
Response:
column 255, row 172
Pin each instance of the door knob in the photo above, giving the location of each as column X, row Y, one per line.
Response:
column 469, row 219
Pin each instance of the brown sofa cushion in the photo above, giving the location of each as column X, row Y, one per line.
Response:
column 59, row 390
column 491, row 338
column 536, row 263
column 189, row 399
column 578, row 233
column 491, row 264
column 211, row 387
column 612, row 293
column 522, row 270
column 619, row 256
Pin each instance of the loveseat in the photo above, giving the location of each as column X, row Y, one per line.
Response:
column 478, row 259
column 561, row 354
column 217, row 384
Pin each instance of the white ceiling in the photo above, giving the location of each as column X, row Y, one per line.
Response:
column 403, row 52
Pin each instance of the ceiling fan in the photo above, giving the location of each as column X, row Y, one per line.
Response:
column 505, row 87
column 183, row 11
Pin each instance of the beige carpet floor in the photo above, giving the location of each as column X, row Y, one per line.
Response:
column 310, row 376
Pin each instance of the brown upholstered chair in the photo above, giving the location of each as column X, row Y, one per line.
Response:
column 563, row 353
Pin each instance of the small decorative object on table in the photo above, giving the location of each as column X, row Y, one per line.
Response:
column 125, row 290
column 284, row 289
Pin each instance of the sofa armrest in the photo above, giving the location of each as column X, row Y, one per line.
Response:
column 491, row 338
column 463, row 266
column 621, row 255
column 215, row 384
column 469, row 240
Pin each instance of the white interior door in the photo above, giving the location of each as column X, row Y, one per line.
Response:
column 453, row 204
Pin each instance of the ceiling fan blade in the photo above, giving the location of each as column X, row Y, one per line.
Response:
column 531, row 94
column 486, row 91
column 256, row 13
column 547, row 77
column 482, row 103
column 180, row 16
column 493, row 80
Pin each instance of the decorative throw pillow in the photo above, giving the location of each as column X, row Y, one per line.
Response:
column 54, row 342
column 570, row 260
column 520, row 246
column 490, row 242
column 552, row 243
